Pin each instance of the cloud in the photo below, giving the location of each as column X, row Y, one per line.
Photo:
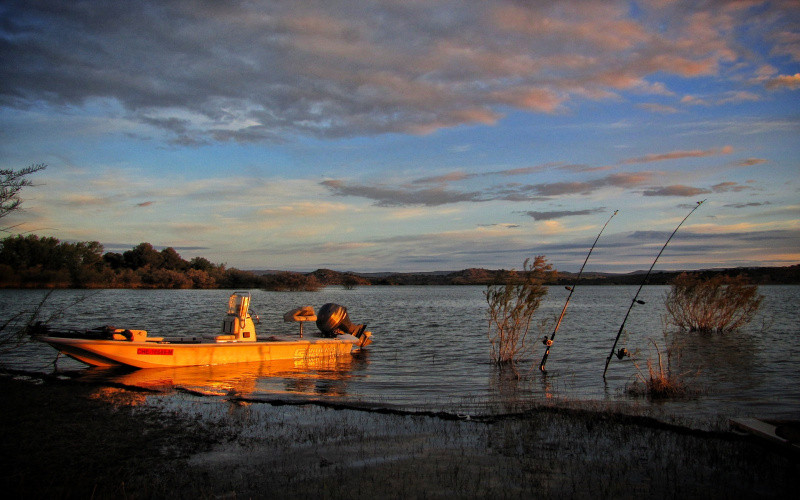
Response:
column 503, row 225
column 269, row 71
column 546, row 216
column 445, row 178
column 400, row 196
column 86, row 200
column 583, row 168
column 747, row 205
column 727, row 97
column 522, row 170
column 462, row 176
column 738, row 96
column 693, row 247
column 389, row 197
column 304, row 210
column 726, row 187
column 675, row 190
column 659, row 108
column 749, row 162
column 791, row 82
column 694, row 100
column 531, row 98
column 677, row 155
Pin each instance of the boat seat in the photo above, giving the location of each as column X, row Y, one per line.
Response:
column 225, row 338
column 305, row 313
column 300, row 315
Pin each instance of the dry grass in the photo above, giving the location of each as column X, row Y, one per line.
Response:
column 661, row 380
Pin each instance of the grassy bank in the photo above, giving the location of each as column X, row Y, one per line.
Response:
column 67, row 441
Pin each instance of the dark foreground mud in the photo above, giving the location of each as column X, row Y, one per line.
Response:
column 62, row 440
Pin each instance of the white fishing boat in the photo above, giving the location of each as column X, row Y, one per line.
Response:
column 236, row 343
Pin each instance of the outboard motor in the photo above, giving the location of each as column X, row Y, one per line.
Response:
column 333, row 320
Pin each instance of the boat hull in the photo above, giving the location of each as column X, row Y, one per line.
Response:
column 159, row 355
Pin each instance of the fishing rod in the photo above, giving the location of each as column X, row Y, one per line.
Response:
column 549, row 342
column 636, row 297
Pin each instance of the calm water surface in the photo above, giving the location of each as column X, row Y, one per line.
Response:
column 431, row 350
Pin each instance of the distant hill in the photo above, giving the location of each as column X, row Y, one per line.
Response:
column 477, row 276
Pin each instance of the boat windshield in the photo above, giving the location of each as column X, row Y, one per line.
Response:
column 238, row 304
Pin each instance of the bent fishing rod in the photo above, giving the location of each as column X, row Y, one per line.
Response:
column 636, row 297
column 549, row 342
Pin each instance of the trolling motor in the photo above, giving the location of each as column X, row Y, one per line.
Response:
column 333, row 320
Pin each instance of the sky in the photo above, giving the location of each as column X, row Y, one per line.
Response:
column 409, row 135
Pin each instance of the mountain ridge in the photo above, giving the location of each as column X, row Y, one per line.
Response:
column 766, row 275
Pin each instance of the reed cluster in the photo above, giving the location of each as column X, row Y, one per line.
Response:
column 660, row 381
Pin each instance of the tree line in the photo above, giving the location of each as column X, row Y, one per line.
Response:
column 32, row 261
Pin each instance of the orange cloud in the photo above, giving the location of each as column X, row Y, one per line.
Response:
column 749, row 162
column 535, row 99
column 791, row 82
column 675, row 155
column 682, row 65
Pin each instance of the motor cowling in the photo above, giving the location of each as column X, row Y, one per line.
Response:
column 333, row 320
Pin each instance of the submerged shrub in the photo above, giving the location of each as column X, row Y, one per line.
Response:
column 717, row 304
column 512, row 305
column 293, row 282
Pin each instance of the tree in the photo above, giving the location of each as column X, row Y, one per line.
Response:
column 350, row 281
column 291, row 281
column 200, row 278
column 717, row 304
column 170, row 259
column 142, row 255
column 114, row 260
column 22, row 252
column 512, row 305
column 201, row 264
column 47, row 261
column 11, row 183
column 84, row 262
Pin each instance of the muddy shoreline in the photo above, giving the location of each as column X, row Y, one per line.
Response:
column 62, row 439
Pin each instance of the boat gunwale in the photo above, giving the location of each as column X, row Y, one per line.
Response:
column 203, row 342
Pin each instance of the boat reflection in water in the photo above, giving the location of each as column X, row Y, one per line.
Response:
column 269, row 380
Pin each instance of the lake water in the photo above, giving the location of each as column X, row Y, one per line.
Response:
column 431, row 351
